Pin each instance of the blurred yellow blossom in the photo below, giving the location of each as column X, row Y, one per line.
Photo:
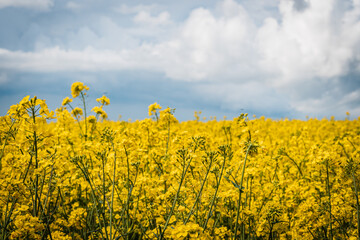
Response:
column 103, row 100
column 77, row 87
column 66, row 101
column 77, row 111
column 153, row 107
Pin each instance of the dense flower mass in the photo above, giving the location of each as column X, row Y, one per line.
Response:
column 83, row 177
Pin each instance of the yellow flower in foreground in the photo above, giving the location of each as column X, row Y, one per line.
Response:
column 153, row 107
column 77, row 111
column 104, row 115
column 100, row 111
column 97, row 110
column 66, row 101
column 77, row 87
column 25, row 100
column 92, row 119
column 103, row 100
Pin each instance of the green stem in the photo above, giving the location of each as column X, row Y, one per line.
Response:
column 216, row 191
column 201, row 188
column 83, row 100
column 129, row 188
column 95, row 200
column 240, row 191
column 357, row 203
column 176, row 197
column 77, row 120
column 112, row 191
column 329, row 196
column 5, row 142
column 36, row 163
column 104, row 193
column 298, row 167
column 168, row 138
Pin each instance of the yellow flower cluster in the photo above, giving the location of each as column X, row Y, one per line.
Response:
column 103, row 100
column 77, row 88
column 82, row 178
column 153, row 108
column 77, row 111
column 99, row 111
column 66, row 100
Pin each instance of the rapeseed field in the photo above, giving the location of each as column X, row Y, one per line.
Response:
column 73, row 174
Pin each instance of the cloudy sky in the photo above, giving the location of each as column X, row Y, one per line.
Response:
column 272, row 58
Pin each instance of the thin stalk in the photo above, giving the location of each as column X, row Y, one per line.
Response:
column 129, row 194
column 176, row 197
column 168, row 138
column 8, row 214
column 112, row 191
column 104, row 192
column 329, row 197
column 36, row 164
column 95, row 200
column 28, row 168
column 240, row 191
column 47, row 200
column 199, row 194
column 83, row 100
column 250, row 227
column 355, row 190
column 77, row 120
column 357, row 203
column 216, row 191
column 3, row 230
column 5, row 142
column 298, row 167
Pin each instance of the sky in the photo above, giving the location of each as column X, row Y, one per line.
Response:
column 280, row 59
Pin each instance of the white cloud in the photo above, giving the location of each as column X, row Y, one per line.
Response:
column 309, row 51
column 311, row 43
column 330, row 104
column 205, row 47
column 144, row 17
column 209, row 47
column 56, row 59
column 306, row 44
column 303, row 47
column 126, row 9
column 34, row 4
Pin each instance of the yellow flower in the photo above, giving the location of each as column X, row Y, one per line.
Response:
column 92, row 119
column 100, row 111
column 66, row 101
column 153, row 107
column 77, row 111
column 104, row 115
column 77, row 87
column 25, row 100
column 97, row 110
column 103, row 100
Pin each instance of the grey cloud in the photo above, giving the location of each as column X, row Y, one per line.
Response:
column 304, row 58
column 33, row 4
column 301, row 5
